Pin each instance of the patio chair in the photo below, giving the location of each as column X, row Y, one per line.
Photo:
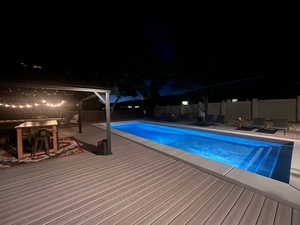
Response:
column 75, row 119
column 41, row 141
column 69, row 120
column 281, row 124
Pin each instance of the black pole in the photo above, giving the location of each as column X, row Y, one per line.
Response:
column 79, row 117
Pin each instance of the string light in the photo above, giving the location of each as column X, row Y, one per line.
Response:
column 35, row 104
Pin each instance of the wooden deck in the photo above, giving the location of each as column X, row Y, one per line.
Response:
column 135, row 185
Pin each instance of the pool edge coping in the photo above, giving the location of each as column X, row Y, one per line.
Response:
column 272, row 188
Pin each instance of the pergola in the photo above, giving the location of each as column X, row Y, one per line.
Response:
column 96, row 91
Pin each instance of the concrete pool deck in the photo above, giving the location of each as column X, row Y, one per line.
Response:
column 289, row 193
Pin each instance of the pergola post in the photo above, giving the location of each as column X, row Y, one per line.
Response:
column 107, row 110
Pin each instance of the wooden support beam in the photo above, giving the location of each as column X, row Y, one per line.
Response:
column 88, row 97
column 100, row 97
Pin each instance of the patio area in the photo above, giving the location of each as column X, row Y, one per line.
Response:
column 135, row 185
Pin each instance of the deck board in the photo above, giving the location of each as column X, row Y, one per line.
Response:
column 135, row 185
column 204, row 213
column 252, row 213
column 220, row 213
column 268, row 213
column 184, row 216
column 296, row 217
column 235, row 214
column 283, row 215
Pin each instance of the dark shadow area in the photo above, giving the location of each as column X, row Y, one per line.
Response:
column 92, row 148
column 246, row 128
column 267, row 130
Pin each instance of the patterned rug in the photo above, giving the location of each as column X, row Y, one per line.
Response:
column 67, row 146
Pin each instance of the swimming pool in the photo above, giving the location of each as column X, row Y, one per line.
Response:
column 270, row 158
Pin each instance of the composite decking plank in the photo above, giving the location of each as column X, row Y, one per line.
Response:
column 203, row 214
column 237, row 211
column 158, row 205
column 104, row 203
column 29, row 170
column 24, row 210
column 38, row 168
column 52, row 191
column 61, row 179
column 252, row 213
column 283, row 215
column 220, row 213
column 296, row 217
column 184, row 214
column 268, row 213
column 113, row 214
column 176, row 203
column 47, row 172
column 111, row 173
column 132, row 213
column 73, row 207
column 44, row 166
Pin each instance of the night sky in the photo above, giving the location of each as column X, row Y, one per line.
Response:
column 196, row 48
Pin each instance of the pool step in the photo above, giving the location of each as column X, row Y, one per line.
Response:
column 269, row 163
column 264, row 161
column 256, row 156
column 261, row 164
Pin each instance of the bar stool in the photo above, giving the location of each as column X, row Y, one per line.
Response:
column 41, row 141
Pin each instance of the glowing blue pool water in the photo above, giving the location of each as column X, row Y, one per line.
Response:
column 270, row 159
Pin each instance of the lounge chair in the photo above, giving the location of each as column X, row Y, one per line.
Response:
column 209, row 121
column 210, row 118
column 281, row 124
column 220, row 119
column 258, row 123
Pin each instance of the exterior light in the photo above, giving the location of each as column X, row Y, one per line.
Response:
column 137, row 106
column 28, row 106
column 21, row 106
column 234, row 100
column 44, row 101
column 130, row 107
column 1, row 104
column 184, row 102
column 13, row 106
column 36, row 104
column 6, row 105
